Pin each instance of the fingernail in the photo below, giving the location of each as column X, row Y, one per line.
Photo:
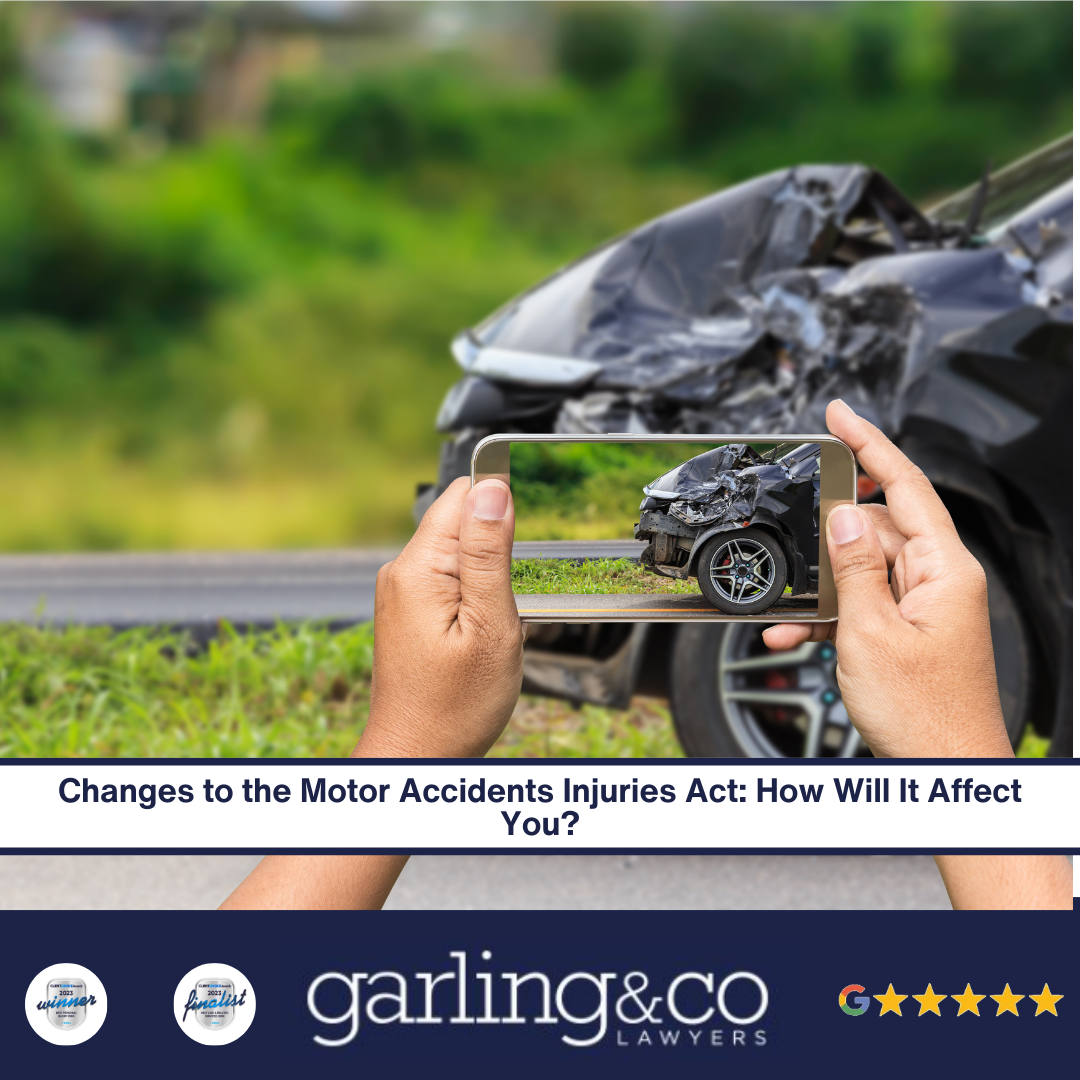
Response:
column 845, row 524
column 843, row 404
column 489, row 502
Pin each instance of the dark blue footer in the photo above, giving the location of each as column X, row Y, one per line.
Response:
column 564, row 994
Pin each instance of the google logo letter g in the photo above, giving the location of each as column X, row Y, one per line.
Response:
column 862, row 1002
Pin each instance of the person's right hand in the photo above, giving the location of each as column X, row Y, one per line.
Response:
column 915, row 663
column 448, row 639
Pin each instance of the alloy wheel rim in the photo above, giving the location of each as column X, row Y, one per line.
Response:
column 783, row 704
column 742, row 570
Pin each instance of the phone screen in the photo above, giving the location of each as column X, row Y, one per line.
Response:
column 663, row 528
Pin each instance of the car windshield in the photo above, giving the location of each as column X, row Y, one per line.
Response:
column 1013, row 188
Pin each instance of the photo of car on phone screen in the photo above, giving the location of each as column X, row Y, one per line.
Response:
column 745, row 524
column 728, row 528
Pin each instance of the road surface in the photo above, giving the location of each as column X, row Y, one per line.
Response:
column 520, row 882
column 189, row 588
column 579, row 549
column 183, row 588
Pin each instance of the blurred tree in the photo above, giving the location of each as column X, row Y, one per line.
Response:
column 10, row 67
column 874, row 58
column 597, row 44
column 1020, row 52
column 380, row 125
column 369, row 127
column 732, row 66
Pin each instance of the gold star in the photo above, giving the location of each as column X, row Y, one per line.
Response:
column 1006, row 1001
column 929, row 1001
column 969, row 1002
column 890, row 1001
column 1046, row 1001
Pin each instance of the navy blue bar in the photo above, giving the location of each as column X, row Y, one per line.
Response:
column 804, row 958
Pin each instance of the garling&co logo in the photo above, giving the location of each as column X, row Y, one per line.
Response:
column 692, row 1008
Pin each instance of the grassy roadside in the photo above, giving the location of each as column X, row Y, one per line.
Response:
column 591, row 577
column 290, row 692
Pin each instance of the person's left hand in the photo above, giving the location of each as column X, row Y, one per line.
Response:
column 448, row 639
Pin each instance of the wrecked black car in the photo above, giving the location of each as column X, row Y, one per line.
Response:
column 949, row 327
column 745, row 525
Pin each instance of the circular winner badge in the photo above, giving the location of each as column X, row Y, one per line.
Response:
column 214, row 1004
column 66, row 1004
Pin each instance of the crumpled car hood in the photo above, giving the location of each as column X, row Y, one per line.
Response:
column 721, row 485
column 701, row 477
column 751, row 309
column 713, row 485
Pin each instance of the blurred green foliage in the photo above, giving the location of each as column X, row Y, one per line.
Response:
column 185, row 330
column 597, row 44
column 587, row 491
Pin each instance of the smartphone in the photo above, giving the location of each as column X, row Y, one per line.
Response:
column 684, row 528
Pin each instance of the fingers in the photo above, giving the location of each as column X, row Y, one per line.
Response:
column 425, row 574
column 892, row 540
column 786, row 636
column 434, row 546
column 870, row 545
column 860, row 571
column 443, row 518
column 486, row 541
column 913, row 503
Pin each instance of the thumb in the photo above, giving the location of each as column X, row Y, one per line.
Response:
column 486, row 544
column 859, row 569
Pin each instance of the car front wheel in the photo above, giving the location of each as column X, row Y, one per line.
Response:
column 733, row 697
column 742, row 572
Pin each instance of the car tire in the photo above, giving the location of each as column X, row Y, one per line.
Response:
column 723, row 551
column 729, row 700
column 1014, row 655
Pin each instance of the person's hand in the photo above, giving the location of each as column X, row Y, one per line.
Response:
column 447, row 673
column 448, row 639
column 915, row 662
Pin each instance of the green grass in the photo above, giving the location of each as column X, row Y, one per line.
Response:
column 591, row 577
column 543, row 727
column 1032, row 744
column 87, row 692
column 300, row 691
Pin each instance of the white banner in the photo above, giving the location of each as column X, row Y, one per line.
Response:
column 264, row 805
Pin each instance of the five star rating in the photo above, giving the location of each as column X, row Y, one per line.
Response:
column 1007, row 1001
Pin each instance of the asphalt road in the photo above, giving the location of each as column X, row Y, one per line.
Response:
column 200, row 588
column 579, row 549
column 515, row 882
column 128, row 589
